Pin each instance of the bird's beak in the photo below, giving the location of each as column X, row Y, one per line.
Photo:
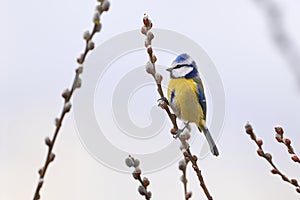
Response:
column 169, row 69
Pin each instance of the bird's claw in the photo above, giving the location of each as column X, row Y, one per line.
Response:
column 164, row 99
column 178, row 132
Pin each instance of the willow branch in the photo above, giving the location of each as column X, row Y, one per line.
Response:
column 268, row 157
column 150, row 68
column 143, row 188
column 182, row 167
column 287, row 142
column 68, row 93
column 193, row 159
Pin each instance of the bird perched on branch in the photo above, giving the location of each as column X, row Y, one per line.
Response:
column 186, row 96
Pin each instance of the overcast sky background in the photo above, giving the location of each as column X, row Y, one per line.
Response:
column 40, row 41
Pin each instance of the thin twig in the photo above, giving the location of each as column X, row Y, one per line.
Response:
column 268, row 157
column 67, row 94
column 287, row 142
column 142, row 189
column 182, row 166
column 193, row 159
column 150, row 68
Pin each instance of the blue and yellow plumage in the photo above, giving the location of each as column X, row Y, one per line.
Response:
column 186, row 95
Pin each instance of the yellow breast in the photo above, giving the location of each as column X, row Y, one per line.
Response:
column 185, row 103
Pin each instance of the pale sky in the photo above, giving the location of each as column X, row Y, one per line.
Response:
column 40, row 41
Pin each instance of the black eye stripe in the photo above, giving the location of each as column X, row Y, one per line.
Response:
column 182, row 65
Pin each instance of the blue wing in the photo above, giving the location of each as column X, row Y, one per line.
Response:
column 172, row 96
column 174, row 105
column 201, row 95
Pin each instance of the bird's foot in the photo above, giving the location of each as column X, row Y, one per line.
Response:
column 179, row 131
column 163, row 102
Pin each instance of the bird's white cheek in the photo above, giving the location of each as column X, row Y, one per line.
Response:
column 181, row 72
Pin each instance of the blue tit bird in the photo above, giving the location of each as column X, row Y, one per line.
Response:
column 186, row 95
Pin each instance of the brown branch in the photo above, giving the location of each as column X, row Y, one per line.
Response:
column 150, row 68
column 268, row 157
column 287, row 142
column 193, row 159
column 142, row 189
column 67, row 95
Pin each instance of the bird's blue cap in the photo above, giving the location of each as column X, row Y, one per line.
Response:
column 184, row 59
column 181, row 58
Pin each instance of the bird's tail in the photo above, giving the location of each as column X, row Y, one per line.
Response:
column 210, row 140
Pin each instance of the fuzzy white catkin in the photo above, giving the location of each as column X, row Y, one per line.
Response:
column 184, row 143
column 185, row 135
column 145, row 16
column 150, row 68
column 149, row 194
column 67, row 107
column 86, row 35
column 182, row 162
column 136, row 163
column 78, row 82
column 142, row 190
column 129, row 162
column 80, row 59
column 98, row 27
column 150, row 35
column 96, row 18
column 66, row 93
column 91, row 45
column 147, row 42
column 145, row 179
column 79, row 70
column 144, row 30
column 158, row 78
column 137, row 170
column 269, row 156
column 105, row 5
column 248, row 126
